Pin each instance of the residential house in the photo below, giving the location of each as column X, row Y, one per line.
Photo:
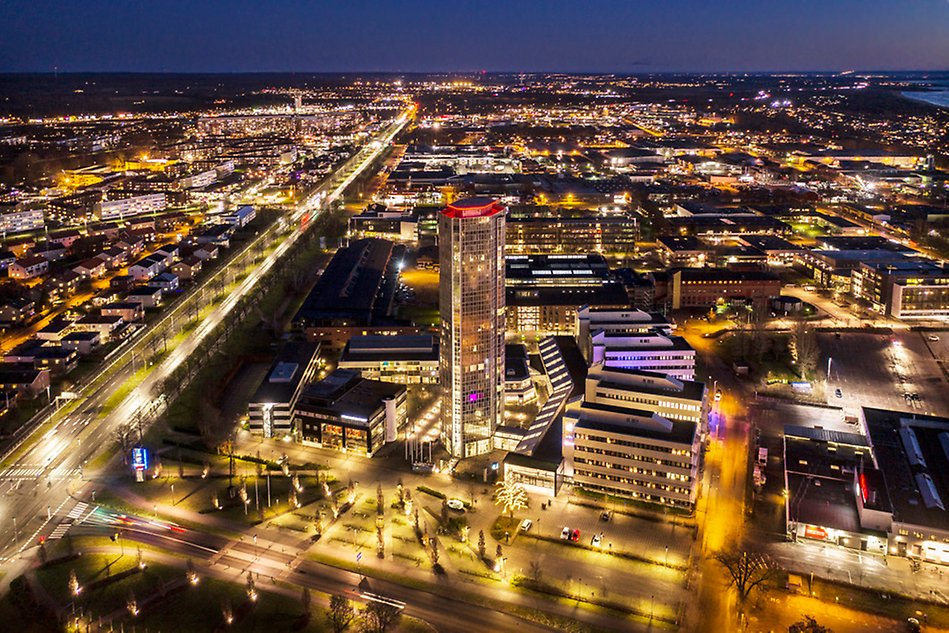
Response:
column 16, row 312
column 91, row 268
column 187, row 268
column 28, row 267
column 23, row 379
column 83, row 343
column 149, row 297
column 130, row 311
column 166, row 281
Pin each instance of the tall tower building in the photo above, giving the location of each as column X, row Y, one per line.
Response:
column 471, row 303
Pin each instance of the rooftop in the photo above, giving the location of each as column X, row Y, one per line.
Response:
column 478, row 207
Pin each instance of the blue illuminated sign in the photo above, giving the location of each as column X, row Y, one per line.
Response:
column 139, row 458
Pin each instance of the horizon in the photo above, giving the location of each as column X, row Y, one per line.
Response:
column 424, row 36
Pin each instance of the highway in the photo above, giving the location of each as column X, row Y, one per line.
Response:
column 37, row 480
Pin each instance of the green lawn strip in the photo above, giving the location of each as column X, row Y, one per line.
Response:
column 637, row 508
column 661, row 613
column 896, row 606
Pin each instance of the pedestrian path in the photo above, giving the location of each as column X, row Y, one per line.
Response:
column 75, row 516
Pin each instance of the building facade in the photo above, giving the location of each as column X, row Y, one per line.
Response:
column 471, row 304
column 613, row 446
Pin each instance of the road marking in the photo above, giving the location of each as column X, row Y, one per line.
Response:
column 77, row 510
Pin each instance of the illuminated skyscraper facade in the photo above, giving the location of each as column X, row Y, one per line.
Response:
column 471, row 302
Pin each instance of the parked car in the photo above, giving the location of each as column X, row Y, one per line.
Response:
column 565, row 534
column 838, row 393
column 933, row 337
column 526, row 524
column 597, row 539
column 575, row 537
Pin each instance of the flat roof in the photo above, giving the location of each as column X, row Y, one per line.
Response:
column 691, row 389
column 345, row 394
column 351, row 284
column 288, row 369
column 823, row 502
column 681, row 431
column 913, row 496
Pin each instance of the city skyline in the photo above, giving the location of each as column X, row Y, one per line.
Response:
column 683, row 36
column 464, row 317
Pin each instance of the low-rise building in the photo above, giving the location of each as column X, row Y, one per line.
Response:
column 706, row 287
column 28, row 267
column 146, row 295
column 130, row 311
column 271, row 408
column 83, row 343
column 349, row 413
column 147, row 267
column 883, row 492
column 240, row 217
column 397, row 226
column 518, row 383
column 612, row 446
column 653, row 352
column 130, row 206
column 167, row 282
column 911, row 289
column 23, row 379
column 659, row 393
column 16, row 312
column 106, row 326
column 91, row 268
column 19, row 221
column 188, row 268
column 405, row 358
column 613, row 321
column 58, row 360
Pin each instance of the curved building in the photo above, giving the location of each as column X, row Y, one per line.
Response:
column 471, row 303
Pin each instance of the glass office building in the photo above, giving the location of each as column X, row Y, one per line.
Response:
column 471, row 302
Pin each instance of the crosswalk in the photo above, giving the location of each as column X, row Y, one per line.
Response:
column 20, row 473
column 74, row 516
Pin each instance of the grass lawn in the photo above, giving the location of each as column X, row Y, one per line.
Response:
column 201, row 608
column 895, row 607
column 504, row 524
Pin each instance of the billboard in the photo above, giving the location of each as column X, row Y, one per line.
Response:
column 139, row 458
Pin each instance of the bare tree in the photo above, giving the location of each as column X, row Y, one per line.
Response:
column 805, row 349
column 379, row 616
column 340, row 613
column 306, row 601
column 535, row 570
column 808, row 624
column 209, row 423
column 510, row 495
column 746, row 571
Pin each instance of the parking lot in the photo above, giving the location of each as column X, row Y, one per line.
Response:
column 876, row 370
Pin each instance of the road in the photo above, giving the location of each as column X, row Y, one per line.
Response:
column 268, row 558
column 41, row 474
column 720, row 510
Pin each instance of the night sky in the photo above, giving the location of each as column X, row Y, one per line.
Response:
column 466, row 35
